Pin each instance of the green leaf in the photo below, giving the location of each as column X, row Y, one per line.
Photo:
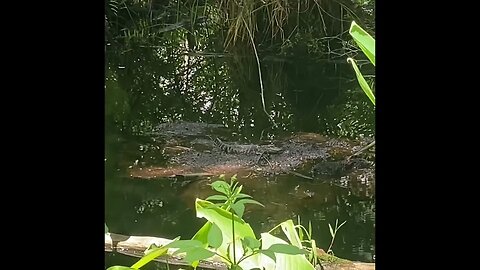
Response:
column 244, row 201
column 216, row 205
column 227, row 254
column 185, row 244
column 233, row 179
column 236, row 267
column 197, row 254
column 156, row 252
column 251, row 242
column 245, row 247
column 236, row 190
column 221, row 186
column 202, row 234
column 361, row 80
column 194, row 253
column 223, row 219
column 364, row 41
column 283, row 261
column 269, row 253
column 118, row 267
column 331, row 230
column 152, row 247
column 152, row 254
column 286, row 249
column 300, row 234
column 215, row 236
column 288, row 229
column 241, row 195
column 217, row 197
column 314, row 250
column 238, row 208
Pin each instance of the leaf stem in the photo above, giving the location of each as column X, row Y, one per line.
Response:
column 234, row 248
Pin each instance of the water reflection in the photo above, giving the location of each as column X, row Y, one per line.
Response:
column 148, row 86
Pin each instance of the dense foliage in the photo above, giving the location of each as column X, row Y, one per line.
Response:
column 195, row 60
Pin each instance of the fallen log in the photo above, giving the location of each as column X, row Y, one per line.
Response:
column 136, row 245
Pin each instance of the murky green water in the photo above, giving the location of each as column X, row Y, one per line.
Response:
column 149, row 86
column 165, row 208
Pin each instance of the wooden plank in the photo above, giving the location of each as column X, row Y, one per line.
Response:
column 136, row 245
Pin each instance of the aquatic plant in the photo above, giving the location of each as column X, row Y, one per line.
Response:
column 367, row 45
column 232, row 197
column 333, row 232
column 310, row 244
column 228, row 236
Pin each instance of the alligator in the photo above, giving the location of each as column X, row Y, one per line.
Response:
column 246, row 148
column 190, row 148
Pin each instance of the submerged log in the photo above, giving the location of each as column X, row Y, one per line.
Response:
column 136, row 245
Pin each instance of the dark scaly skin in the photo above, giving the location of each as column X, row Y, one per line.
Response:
column 246, row 148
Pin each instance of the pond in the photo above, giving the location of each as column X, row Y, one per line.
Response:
column 148, row 86
column 165, row 207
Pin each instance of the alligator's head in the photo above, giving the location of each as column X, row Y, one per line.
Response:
column 273, row 149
